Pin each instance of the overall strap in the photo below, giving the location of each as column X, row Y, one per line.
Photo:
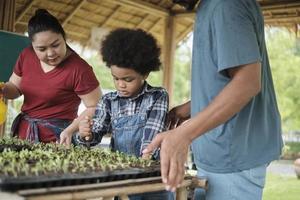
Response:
column 114, row 108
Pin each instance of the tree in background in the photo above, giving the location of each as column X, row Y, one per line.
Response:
column 284, row 55
column 182, row 72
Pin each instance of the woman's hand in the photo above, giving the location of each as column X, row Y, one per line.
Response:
column 85, row 127
column 66, row 138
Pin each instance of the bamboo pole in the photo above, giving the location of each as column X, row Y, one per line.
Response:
column 7, row 18
column 110, row 189
column 168, row 54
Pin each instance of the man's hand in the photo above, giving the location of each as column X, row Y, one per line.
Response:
column 173, row 154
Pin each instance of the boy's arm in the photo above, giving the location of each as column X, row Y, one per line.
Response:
column 99, row 125
column 156, row 121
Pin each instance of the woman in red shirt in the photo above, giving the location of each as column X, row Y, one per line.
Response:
column 54, row 80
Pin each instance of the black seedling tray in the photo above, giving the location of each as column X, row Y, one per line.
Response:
column 21, row 183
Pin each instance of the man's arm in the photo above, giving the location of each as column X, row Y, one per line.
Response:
column 244, row 85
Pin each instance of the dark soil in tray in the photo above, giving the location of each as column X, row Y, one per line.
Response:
column 14, row 147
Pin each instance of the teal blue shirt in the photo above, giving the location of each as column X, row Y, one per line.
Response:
column 228, row 34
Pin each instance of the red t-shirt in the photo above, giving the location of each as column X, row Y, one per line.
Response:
column 53, row 94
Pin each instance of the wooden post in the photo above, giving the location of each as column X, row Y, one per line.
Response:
column 181, row 193
column 124, row 197
column 168, row 54
column 7, row 15
column 107, row 198
column 7, row 21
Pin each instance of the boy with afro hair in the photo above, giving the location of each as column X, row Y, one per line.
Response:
column 136, row 111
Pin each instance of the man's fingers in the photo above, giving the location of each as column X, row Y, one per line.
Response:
column 164, row 165
column 172, row 176
column 156, row 142
column 180, row 174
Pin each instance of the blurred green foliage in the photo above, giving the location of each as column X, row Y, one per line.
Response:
column 281, row 188
column 284, row 54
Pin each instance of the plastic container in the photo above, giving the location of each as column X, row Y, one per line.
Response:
column 3, row 107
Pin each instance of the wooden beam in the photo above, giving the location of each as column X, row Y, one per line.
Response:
column 281, row 10
column 77, row 34
column 143, row 6
column 155, row 24
column 184, row 33
column 73, row 12
column 24, row 11
column 280, row 24
column 168, row 55
column 269, row 12
column 139, row 25
column 186, row 15
column 112, row 15
column 283, row 19
column 280, row 5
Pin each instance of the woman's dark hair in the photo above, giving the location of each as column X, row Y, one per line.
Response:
column 131, row 48
column 44, row 21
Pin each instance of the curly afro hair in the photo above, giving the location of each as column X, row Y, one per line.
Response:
column 131, row 48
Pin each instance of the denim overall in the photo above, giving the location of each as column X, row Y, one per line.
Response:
column 128, row 130
column 127, row 133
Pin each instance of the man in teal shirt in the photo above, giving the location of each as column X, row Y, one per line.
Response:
column 234, row 129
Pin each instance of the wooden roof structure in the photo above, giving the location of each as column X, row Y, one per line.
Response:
column 79, row 17
column 168, row 22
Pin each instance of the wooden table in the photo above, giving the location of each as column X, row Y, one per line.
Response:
column 105, row 191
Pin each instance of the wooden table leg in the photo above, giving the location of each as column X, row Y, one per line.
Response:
column 107, row 198
column 124, row 197
column 181, row 193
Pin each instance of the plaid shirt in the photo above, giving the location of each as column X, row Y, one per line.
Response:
column 157, row 110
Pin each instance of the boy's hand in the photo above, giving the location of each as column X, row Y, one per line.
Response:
column 147, row 156
column 85, row 127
